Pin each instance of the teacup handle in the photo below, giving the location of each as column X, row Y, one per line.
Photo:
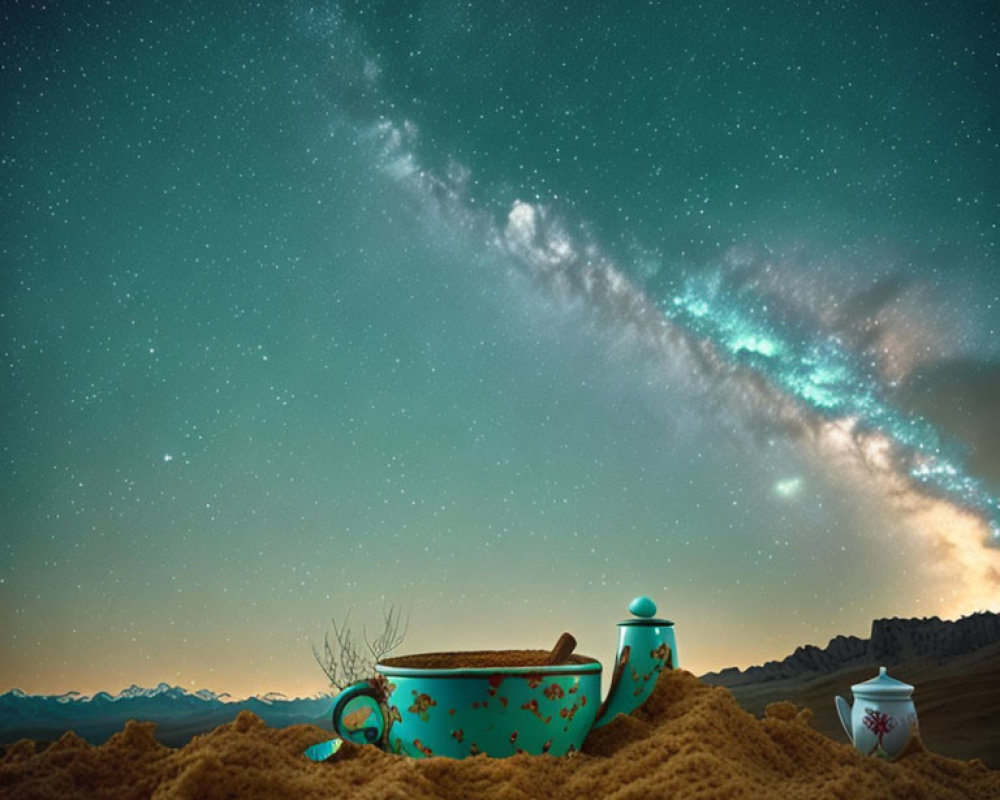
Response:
column 370, row 729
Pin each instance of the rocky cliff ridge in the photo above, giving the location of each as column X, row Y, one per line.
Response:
column 892, row 641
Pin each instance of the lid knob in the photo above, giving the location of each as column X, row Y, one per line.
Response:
column 642, row 606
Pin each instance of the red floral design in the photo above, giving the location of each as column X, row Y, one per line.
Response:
column 568, row 713
column 422, row 748
column 422, row 703
column 878, row 723
column 532, row 706
column 554, row 691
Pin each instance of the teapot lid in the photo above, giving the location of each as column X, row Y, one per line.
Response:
column 883, row 685
column 644, row 610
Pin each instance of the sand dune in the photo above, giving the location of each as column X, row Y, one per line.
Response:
column 688, row 740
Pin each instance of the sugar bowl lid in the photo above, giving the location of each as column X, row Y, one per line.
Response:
column 883, row 685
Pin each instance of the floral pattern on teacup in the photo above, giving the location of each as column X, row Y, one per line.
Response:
column 422, row 748
column 568, row 713
column 534, row 679
column 422, row 703
column 532, row 706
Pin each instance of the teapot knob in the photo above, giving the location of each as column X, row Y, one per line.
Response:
column 642, row 606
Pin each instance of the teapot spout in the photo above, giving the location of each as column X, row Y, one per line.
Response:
column 844, row 712
column 646, row 646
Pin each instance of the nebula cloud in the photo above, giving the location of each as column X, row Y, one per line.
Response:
column 784, row 367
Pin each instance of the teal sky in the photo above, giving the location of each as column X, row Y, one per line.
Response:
column 505, row 315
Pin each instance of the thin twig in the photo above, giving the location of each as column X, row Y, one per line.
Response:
column 344, row 664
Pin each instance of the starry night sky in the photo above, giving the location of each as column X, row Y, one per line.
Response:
column 504, row 313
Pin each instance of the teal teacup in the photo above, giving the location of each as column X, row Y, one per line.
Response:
column 502, row 702
column 498, row 703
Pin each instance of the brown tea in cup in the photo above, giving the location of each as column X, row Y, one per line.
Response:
column 481, row 659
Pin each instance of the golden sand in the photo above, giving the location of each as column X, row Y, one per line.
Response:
column 687, row 741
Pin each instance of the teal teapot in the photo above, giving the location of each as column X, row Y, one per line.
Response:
column 503, row 702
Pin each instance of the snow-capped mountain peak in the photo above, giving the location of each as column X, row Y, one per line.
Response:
column 209, row 695
column 138, row 691
column 166, row 690
column 272, row 697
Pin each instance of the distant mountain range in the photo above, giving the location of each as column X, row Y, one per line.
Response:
column 178, row 714
column 892, row 641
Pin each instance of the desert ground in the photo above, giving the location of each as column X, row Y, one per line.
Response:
column 688, row 740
